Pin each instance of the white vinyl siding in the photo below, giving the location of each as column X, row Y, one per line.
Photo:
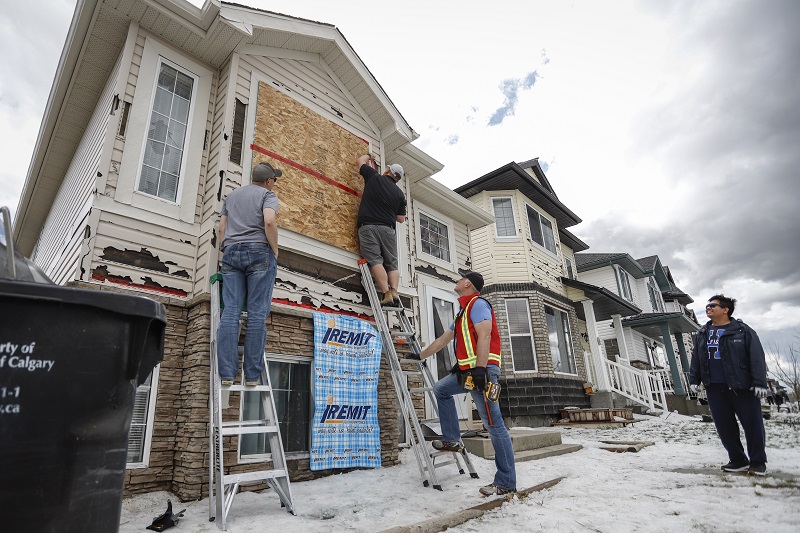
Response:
column 166, row 134
column 520, row 333
column 505, row 224
column 560, row 338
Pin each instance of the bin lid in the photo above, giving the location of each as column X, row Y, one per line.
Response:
column 26, row 269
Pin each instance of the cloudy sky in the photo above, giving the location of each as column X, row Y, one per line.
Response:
column 670, row 128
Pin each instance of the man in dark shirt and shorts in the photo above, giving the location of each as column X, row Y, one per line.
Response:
column 382, row 205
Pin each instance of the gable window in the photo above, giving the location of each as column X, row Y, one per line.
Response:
column 504, row 217
column 291, row 389
column 541, row 230
column 570, row 271
column 623, row 283
column 237, row 136
column 434, row 237
column 141, row 431
column 520, row 335
column 655, row 296
column 560, row 339
column 166, row 134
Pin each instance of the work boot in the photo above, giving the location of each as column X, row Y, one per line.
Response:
column 447, row 446
column 387, row 298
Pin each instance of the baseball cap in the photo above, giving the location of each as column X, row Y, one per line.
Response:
column 475, row 278
column 265, row 171
column 397, row 170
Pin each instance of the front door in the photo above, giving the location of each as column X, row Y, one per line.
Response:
column 442, row 306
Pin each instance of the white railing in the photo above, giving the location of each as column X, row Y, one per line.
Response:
column 641, row 386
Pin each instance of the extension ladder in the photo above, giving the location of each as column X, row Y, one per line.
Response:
column 222, row 487
column 426, row 458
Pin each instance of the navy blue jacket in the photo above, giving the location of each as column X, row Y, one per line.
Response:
column 743, row 362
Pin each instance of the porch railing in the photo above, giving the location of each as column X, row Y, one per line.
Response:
column 648, row 388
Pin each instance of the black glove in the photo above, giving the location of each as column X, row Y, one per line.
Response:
column 479, row 377
column 413, row 356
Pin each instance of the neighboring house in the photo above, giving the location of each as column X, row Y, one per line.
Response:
column 651, row 337
column 525, row 256
column 158, row 110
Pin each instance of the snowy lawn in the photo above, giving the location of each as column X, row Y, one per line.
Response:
column 674, row 486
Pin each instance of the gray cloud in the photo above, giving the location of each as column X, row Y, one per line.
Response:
column 510, row 89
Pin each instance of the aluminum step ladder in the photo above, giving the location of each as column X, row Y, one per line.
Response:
column 222, row 487
column 426, row 456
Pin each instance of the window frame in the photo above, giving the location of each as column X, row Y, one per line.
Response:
column 148, row 424
column 262, row 457
column 655, row 296
column 623, row 282
column 530, row 335
column 567, row 335
column 505, row 238
column 451, row 245
column 540, row 222
column 569, row 267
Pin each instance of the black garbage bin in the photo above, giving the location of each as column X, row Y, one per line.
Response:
column 70, row 362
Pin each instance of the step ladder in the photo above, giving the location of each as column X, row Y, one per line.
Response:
column 222, row 487
column 426, row 456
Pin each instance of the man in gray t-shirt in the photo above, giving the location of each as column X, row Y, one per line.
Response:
column 248, row 235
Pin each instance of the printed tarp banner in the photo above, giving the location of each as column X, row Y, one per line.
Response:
column 347, row 358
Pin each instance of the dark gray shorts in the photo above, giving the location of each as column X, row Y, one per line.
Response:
column 379, row 246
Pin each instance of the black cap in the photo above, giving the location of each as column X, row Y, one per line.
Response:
column 265, row 171
column 474, row 278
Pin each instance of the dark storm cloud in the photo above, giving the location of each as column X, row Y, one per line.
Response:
column 729, row 135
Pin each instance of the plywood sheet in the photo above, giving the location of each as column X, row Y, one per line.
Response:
column 320, row 189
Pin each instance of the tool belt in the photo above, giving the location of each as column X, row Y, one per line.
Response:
column 492, row 390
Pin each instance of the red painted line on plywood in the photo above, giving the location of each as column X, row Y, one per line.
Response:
column 305, row 169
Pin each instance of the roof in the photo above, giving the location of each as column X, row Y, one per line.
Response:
column 572, row 241
column 211, row 33
column 648, row 262
column 512, row 177
column 591, row 261
column 650, row 323
column 604, row 302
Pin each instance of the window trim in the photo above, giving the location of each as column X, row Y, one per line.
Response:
column 554, row 251
column 133, row 152
column 151, row 411
column 569, row 267
column 623, row 281
column 264, row 457
column 655, row 296
column 505, row 238
column 567, row 339
column 447, row 222
column 530, row 335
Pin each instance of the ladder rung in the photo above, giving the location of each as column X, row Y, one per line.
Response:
column 409, row 360
column 257, row 388
column 411, row 372
column 242, row 428
column 420, row 389
column 250, row 477
column 396, row 333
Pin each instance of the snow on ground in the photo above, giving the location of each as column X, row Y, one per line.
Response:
column 674, row 486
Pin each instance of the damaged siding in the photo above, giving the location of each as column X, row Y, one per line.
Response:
column 59, row 245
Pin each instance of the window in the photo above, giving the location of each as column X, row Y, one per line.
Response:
column 623, row 283
column 123, row 121
column 504, row 217
column 541, row 230
column 237, row 137
column 141, row 429
column 570, row 271
column 443, row 313
column 434, row 237
column 166, row 134
column 560, row 340
column 523, row 355
column 291, row 389
column 612, row 349
column 655, row 296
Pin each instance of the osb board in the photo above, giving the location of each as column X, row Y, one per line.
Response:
column 320, row 189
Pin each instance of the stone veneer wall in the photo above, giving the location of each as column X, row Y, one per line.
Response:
column 179, row 456
column 535, row 398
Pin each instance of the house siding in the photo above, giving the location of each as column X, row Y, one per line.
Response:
column 58, row 249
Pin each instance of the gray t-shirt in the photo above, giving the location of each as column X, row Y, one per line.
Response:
column 245, row 210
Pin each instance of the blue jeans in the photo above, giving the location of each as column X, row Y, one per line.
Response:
column 248, row 275
column 444, row 390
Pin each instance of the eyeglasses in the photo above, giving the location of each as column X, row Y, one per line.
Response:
column 712, row 306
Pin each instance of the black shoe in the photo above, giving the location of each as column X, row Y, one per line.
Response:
column 735, row 467
column 447, row 446
column 757, row 470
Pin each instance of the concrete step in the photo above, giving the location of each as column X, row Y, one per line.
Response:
column 522, row 439
column 547, row 451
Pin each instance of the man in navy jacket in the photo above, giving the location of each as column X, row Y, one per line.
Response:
column 729, row 361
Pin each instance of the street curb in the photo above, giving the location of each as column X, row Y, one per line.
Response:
column 435, row 525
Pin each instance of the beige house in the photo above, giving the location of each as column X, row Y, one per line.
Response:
column 158, row 110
